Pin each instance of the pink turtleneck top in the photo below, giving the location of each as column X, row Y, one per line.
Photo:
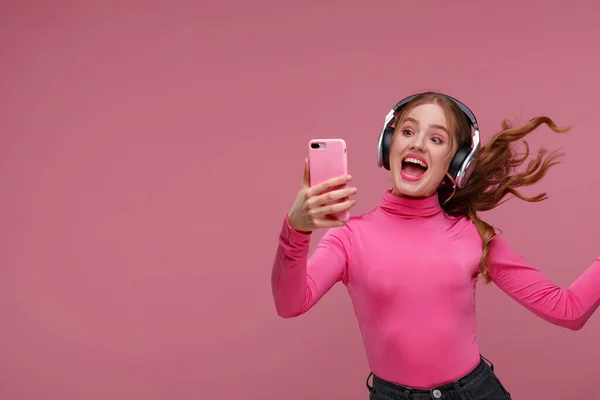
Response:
column 410, row 270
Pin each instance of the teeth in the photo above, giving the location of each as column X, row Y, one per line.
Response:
column 415, row 161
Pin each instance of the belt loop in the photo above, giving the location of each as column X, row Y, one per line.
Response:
column 407, row 395
column 491, row 364
column 369, row 386
column 459, row 390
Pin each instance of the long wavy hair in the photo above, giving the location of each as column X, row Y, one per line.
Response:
column 495, row 175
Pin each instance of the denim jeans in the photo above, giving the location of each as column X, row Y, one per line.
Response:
column 479, row 384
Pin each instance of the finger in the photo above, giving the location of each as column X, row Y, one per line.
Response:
column 330, row 221
column 331, row 196
column 320, row 212
column 330, row 184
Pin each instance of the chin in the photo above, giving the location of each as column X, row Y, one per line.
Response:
column 418, row 189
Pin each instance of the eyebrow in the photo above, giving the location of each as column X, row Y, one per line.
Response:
column 435, row 126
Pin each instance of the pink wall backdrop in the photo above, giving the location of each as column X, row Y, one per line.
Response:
column 149, row 151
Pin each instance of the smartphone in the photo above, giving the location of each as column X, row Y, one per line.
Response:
column 328, row 158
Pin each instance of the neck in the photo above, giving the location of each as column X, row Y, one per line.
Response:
column 396, row 193
column 410, row 207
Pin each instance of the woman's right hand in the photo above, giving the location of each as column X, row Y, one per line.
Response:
column 309, row 211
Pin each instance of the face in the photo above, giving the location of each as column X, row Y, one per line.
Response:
column 421, row 151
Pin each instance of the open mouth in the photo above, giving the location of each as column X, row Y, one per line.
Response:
column 413, row 167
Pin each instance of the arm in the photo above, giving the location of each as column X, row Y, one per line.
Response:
column 298, row 281
column 569, row 308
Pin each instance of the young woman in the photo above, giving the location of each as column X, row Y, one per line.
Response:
column 412, row 263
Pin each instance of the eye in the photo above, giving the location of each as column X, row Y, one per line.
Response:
column 437, row 140
column 407, row 132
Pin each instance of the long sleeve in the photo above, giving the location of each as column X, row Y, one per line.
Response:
column 299, row 281
column 569, row 308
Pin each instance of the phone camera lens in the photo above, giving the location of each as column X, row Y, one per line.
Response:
column 314, row 145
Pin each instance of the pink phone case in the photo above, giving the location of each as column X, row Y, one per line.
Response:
column 328, row 158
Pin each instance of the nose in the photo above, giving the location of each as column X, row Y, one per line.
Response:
column 417, row 143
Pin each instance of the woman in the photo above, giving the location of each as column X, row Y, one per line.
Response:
column 411, row 264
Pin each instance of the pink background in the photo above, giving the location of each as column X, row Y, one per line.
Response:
column 150, row 150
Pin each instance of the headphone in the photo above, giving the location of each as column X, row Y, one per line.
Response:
column 462, row 163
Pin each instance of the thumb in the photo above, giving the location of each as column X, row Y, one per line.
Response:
column 306, row 177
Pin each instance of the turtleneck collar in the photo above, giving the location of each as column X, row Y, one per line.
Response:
column 410, row 208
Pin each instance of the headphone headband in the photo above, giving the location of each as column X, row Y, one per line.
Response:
column 463, row 162
column 466, row 110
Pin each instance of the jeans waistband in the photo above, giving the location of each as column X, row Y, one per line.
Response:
column 449, row 391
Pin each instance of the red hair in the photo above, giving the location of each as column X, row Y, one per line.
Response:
column 494, row 176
